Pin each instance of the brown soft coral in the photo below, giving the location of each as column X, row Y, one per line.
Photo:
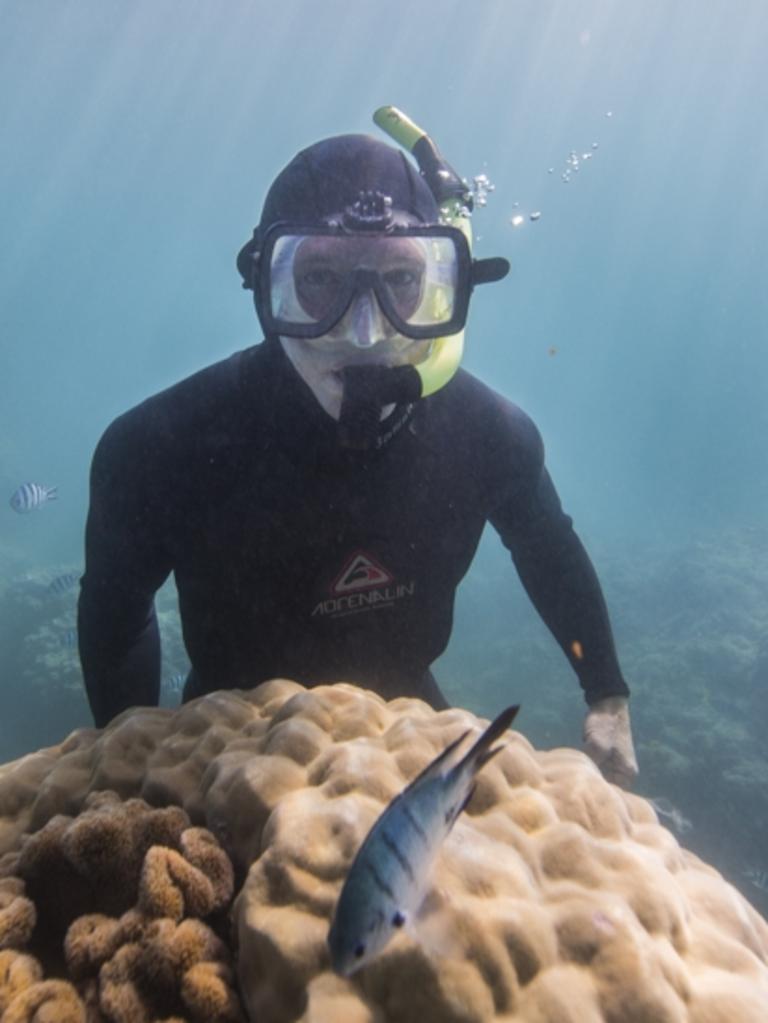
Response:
column 18, row 971
column 138, row 968
column 90, row 941
column 129, row 969
column 171, row 887
column 201, row 849
column 92, row 863
column 17, row 914
column 194, row 882
column 49, row 1001
column 171, row 969
column 26, row 998
column 207, row 992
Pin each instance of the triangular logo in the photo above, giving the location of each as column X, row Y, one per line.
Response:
column 361, row 572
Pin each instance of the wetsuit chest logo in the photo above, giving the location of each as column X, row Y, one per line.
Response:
column 361, row 572
column 363, row 584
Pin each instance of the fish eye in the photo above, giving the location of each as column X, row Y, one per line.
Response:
column 359, row 951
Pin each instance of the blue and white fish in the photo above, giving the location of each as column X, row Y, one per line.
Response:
column 669, row 812
column 69, row 639
column 30, row 496
column 64, row 582
column 389, row 876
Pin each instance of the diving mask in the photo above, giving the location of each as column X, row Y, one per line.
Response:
column 309, row 276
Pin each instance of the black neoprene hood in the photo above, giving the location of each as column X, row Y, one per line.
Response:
column 328, row 176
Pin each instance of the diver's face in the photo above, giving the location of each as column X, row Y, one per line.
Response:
column 364, row 335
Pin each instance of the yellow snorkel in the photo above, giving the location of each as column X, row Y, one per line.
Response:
column 455, row 202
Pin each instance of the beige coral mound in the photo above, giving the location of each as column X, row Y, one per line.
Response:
column 556, row 899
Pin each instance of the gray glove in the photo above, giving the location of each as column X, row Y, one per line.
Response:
column 608, row 740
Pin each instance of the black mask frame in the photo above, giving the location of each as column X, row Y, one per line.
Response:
column 469, row 273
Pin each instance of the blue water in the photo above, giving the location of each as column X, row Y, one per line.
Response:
column 138, row 141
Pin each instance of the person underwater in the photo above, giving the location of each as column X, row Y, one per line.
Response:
column 320, row 495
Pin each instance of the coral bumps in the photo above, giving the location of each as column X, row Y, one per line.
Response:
column 113, row 901
column 557, row 898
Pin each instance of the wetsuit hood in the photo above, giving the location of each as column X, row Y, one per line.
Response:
column 320, row 182
column 326, row 177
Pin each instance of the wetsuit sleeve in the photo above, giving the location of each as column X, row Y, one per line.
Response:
column 125, row 564
column 554, row 567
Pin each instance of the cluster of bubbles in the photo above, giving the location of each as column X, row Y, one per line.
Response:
column 480, row 189
column 573, row 164
column 476, row 193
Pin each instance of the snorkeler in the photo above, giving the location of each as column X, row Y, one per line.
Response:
column 319, row 496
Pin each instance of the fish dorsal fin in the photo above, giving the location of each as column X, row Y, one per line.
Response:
column 438, row 764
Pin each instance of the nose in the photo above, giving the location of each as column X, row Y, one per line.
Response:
column 366, row 321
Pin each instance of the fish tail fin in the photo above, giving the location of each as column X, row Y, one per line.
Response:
column 52, row 493
column 468, row 766
column 481, row 752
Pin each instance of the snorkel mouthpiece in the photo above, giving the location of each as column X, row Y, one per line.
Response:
column 368, row 389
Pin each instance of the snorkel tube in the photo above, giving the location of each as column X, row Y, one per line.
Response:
column 455, row 202
column 368, row 388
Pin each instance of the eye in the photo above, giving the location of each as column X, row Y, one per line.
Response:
column 401, row 278
column 319, row 278
column 398, row 919
column 359, row 951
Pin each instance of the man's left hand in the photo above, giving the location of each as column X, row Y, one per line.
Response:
column 608, row 740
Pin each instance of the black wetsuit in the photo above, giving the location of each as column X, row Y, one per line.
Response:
column 297, row 559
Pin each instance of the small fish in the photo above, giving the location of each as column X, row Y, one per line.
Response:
column 69, row 639
column 64, row 582
column 389, row 875
column 665, row 809
column 30, row 496
column 758, row 878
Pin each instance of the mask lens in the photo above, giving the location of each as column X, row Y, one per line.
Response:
column 436, row 302
column 307, row 282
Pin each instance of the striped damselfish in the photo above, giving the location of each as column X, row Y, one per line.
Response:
column 30, row 496
column 388, row 878
column 63, row 583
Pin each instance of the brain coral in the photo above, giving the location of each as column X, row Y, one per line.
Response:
column 557, row 898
